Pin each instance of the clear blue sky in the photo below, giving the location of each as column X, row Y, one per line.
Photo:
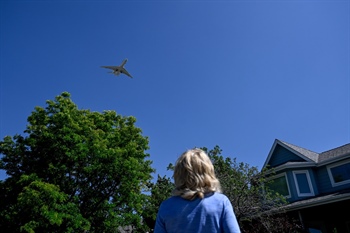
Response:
column 237, row 74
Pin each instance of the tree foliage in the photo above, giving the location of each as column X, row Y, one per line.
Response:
column 159, row 191
column 74, row 169
column 42, row 207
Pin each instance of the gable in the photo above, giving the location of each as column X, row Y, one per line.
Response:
column 285, row 153
column 281, row 155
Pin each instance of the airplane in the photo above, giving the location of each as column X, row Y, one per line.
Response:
column 117, row 70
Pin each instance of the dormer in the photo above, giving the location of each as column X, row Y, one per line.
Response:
column 294, row 175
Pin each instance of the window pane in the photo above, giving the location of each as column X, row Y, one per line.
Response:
column 280, row 185
column 303, row 183
column 341, row 173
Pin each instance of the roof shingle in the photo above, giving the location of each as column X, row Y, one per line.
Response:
column 339, row 151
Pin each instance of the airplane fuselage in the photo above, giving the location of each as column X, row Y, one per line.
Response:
column 116, row 72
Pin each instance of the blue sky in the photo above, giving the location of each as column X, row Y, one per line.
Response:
column 237, row 74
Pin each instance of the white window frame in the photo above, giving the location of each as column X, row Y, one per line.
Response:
column 285, row 177
column 329, row 167
column 306, row 172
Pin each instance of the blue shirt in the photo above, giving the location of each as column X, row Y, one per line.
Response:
column 213, row 213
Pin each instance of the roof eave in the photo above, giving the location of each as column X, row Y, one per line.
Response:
column 302, row 205
column 295, row 165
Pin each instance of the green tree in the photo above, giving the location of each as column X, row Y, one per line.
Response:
column 159, row 191
column 42, row 207
column 72, row 161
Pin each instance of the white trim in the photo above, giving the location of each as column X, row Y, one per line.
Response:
column 292, row 165
column 329, row 167
column 270, row 153
column 306, row 172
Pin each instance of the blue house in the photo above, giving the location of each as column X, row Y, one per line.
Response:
column 316, row 185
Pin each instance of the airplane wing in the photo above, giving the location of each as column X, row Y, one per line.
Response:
column 110, row 67
column 124, row 71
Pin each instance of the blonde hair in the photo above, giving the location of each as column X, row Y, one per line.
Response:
column 194, row 175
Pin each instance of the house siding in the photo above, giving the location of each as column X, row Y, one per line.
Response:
column 314, row 180
column 282, row 155
column 324, row 183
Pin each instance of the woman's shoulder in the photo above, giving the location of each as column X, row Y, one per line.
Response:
column 214, row 196
column 173, row 199
column 218, row 197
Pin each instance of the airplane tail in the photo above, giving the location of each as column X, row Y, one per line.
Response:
column 124, row 62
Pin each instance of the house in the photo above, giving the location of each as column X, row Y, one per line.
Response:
column 316, row 185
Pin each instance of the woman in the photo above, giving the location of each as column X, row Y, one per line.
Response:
column 197, row 204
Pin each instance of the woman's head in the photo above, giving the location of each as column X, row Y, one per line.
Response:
column 194, row 175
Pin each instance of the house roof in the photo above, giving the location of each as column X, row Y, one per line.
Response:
column 320, row 200
column 308, row 155
column 337, row 152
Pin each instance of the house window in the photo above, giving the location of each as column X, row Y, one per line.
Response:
column 303, row 183
column 339, row 173
column 280, row 185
